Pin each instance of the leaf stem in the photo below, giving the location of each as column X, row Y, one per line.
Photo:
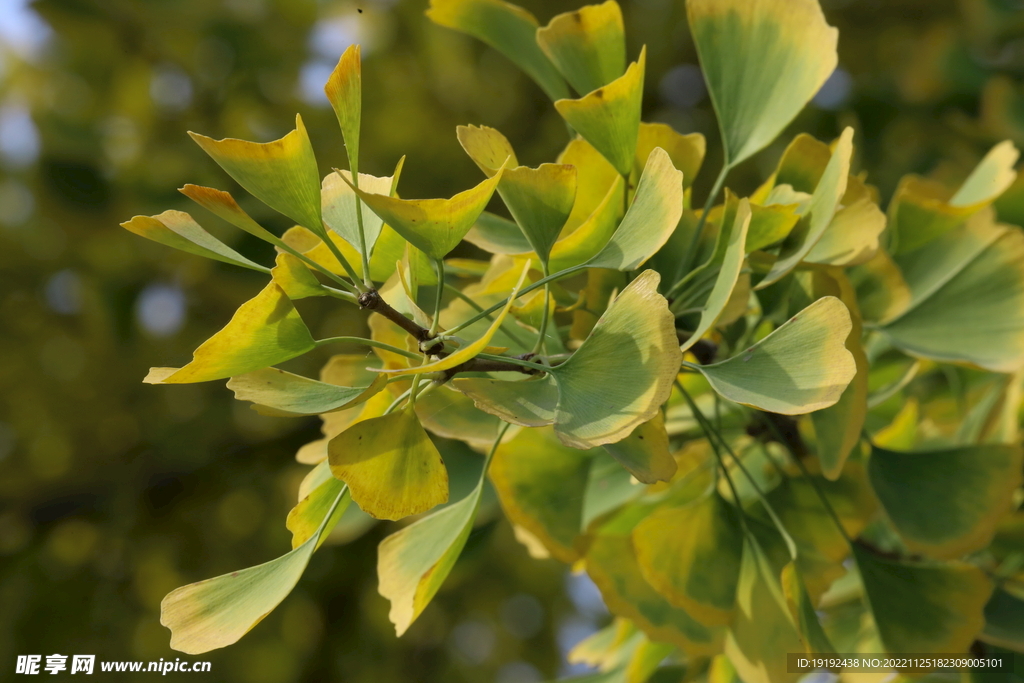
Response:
column 515, row 361
column 359, row 221
column 367, row 342
column 436, row 322
column 544, row 316
column 494, row 449
column 326, row 237
column 490, row 316
column 691, row 251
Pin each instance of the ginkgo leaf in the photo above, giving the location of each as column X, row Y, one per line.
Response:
column 224, row 206
column 594, row 177
column 820, row 211
column 645, row 452
column 541, row 485
column 762, row 631
column 282, row 174
column 923, row 210
column 540, row 200
column 611, row 563
column 530, row 403
column 730, row 251
column 947, row 503
column 609, row 487
column 609, row 117
column 923, row 607
column 434, row 226
column 853, row 235
column 507, row 28
column 178, row 229
column 452, row 415
column 685, row 151
column 276, row 392
column 763, row 60
column 802, row 609
column 390, row 465
column 467, row 351
column 264, row 331
column 588, row 46
column 882, row 291
column 838, row 428
column 498, row 235
column 770, row 224
column 590, row 237
column 650, row 219
column 292, row 275
column 217, row 612
column 692, row 555
column 637, row 331
column 967, row 298
column 414, row 562
column 344, row 90
column 801, row 367
column 1004, row 625
column 338, row 203
column 304, row 519
column 487, row 147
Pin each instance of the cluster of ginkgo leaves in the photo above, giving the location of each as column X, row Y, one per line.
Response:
column 782, row 423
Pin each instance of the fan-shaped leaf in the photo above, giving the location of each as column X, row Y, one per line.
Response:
column 276, row 392
column 292, row 275
column 597, row 402
column 264, row 331
column 344, row 90
column 178, row 229
column 692, row 555
column 591, row 236
column 338, row 203
column 390, row 465
column 685, row 151
column 282, row 174
column 530, row 403
column 588, row 45
column 507, row 28
column 434, row 226
column 801, row 367
column 924, row 607
column 947, row 503
column 652, row 216
column 609, row 117
column 763, row 60
column 594, row 178
column 645, row 452
column 304, row 519
column 224, row 206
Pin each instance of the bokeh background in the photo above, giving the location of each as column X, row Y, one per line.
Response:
column 113, row 492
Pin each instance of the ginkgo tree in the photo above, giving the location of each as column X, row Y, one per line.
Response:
column 781, row 423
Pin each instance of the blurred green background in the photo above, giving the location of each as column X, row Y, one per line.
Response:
column 113, row 492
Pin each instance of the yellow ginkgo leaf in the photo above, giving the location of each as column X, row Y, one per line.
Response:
column 344, row 90
column 390, row 465
column 177, row 229
column 224, row 206
column 588, row 45
column 292, row 275
column 264, row 331
column 282, row 174
column 609, row 117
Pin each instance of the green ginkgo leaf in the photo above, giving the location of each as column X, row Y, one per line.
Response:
column 540, row 200
column 650, row 219
column 645, row 452
column 282, row 174
column 434, row 226
column 762, row 631
column 882, row 291
column 770, row 224
column 338, row 203
column 922, row 210
column 530, row 403
column 594, row 178
column 452, row 415
column 727, row 259
column 853, row 235
column 924, row 607
column 414, row 562
column 392, row 468
column 498, row 235
column 801, row 367
column 692, row 554
column 637, row 331
column 588, row 46
column 802, row 609
column 611, row 563
column 685, row 151
column 947, row 503
column 276, row 392
column 609, row 117
column 609, row 487
column 264, row 331
column 967, row 298
column 297, row 281
column 224, row 206
column 344, row 90
column 820, row 211
column 762, row 60
column 507, row 28
column 541, row 485
column 1004, row 621
column 304, row 519
column 217, row 612
column 178, row 229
